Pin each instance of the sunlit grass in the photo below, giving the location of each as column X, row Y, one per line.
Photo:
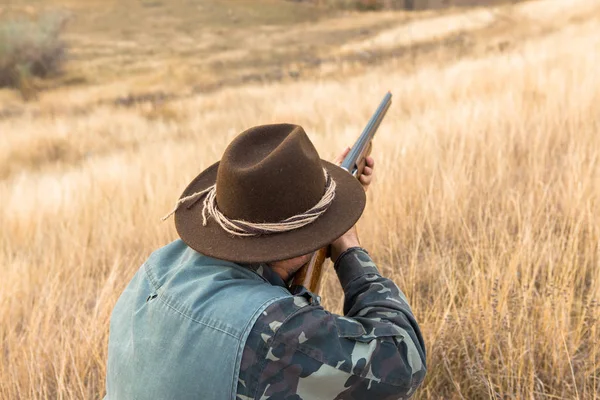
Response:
column 485, row 212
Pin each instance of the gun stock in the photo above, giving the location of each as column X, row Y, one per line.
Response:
column 310, row 274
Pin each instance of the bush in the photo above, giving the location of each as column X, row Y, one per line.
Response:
column 30, row 46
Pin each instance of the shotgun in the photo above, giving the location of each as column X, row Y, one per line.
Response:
column 309, row 275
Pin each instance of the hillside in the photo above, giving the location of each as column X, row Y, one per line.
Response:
column 485, row 211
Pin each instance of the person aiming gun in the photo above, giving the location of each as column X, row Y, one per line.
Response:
column 215, row 314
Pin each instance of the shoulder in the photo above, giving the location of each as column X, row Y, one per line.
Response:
column 280, row 316
column 297, row 348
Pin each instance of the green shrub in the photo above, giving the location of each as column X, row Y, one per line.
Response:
column 30, row 47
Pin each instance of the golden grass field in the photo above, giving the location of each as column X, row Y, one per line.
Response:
column 485, row 210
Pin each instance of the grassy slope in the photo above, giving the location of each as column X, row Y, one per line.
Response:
column 180, row 44
column 486, row 211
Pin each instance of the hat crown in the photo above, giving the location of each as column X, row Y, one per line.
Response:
column 269, row 173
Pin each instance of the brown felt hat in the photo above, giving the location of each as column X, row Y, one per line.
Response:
column 267, row 174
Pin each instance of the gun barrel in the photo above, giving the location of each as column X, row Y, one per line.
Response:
column 357, row 151
column 309, row 276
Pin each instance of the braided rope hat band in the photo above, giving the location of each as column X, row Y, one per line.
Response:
column 238, row 227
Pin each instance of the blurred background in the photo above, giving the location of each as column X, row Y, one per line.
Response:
column 485, row 210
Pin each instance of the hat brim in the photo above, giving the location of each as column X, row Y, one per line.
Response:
column 214, row 241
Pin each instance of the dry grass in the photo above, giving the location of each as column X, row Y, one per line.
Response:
column 486, row 210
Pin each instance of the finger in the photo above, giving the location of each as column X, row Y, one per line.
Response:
column 370, row 162
column 365, row 180
column 367, row 171
column 338, row 160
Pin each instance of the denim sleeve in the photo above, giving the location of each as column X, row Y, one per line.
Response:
column 375, row 351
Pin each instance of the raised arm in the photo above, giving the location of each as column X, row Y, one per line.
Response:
column 373, row 352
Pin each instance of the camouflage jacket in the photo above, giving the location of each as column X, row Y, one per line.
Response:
column 297, row 350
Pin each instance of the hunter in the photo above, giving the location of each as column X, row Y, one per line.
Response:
column 210, row 315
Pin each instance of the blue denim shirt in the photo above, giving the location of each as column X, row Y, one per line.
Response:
column 179, row 328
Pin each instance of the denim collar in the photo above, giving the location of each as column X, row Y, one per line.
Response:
column 264, row 271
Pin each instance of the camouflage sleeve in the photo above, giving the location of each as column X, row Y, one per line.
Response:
column 297, row 350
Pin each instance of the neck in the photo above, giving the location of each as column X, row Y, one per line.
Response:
column 287, row 268
column 284, row 273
